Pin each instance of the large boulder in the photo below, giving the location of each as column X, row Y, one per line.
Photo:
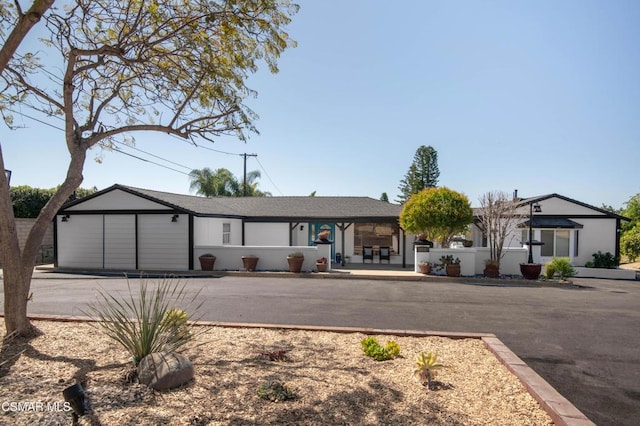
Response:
column 165, row 370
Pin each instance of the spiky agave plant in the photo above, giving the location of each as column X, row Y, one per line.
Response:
column 147, row 323
column 426, row 368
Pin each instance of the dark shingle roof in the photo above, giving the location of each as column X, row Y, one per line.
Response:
column 272, row 208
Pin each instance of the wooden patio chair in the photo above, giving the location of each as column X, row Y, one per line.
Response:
column 385, row 254
column 367, row 253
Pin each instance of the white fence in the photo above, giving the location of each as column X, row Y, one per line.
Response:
column 472, row 259
column 272, row 258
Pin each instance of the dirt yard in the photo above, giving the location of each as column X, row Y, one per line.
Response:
column 333, row 382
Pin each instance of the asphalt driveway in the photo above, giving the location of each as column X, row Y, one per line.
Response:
column 584, row 340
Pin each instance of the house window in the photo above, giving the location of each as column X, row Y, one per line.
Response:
column 226, row 233
column 556, row 243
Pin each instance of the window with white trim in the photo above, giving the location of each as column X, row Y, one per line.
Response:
column 226, row 233
column 556, row 242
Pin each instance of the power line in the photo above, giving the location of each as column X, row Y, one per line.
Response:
column 118, row 150
column 268, row 177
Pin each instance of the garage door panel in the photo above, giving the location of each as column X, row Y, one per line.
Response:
column 80, row 243
column 163, row 244
column 120, row 242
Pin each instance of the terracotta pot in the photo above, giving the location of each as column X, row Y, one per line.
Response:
column 453, row 270
column 530, row 271
column 425, row 268
column 250, row 262
column 207, row 262
column 491, row 271
column 322, row 267
column 295, row 263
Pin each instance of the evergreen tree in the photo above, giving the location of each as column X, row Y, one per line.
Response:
column 384, row 197
column 423, row 173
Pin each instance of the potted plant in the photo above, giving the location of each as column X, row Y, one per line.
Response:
column 323, row 235
column 451, row 265
column 491, row 268
column 250, row 262
column 207, row 261
column 321, row 264
column 425, row 267
column 295, row 261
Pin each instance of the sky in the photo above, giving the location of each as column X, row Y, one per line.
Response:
column 540, row 96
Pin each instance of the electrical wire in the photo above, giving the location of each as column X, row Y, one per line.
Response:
column 120, row 151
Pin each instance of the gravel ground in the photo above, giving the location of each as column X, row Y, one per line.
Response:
column 333, row 382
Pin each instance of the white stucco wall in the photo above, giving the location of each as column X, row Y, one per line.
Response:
column 266, row 234
column 208, row 230
column 597, row 234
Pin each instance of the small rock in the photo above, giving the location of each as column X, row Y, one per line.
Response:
column 165, row 370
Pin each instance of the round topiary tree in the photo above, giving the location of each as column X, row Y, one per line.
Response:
column 440, row 213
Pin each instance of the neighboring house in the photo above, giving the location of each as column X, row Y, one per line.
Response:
column 130, row 228
column 565, row 227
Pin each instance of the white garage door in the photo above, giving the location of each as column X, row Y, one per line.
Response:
column 163, row 243
column 120, row 241
column 80, row 243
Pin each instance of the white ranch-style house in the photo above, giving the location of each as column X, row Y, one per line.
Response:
column 126, row 228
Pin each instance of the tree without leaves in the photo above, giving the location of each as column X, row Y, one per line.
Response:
column 423, row 173
column 440, row 213
column 498, row 217
column 174, row 67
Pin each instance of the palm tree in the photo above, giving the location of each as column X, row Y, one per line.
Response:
column 222, row 183
column 208, row 183
column 252, row 186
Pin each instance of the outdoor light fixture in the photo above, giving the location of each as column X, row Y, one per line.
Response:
column 532, row 208
column 302, row 227
column 175, row 218
column 74, row 395
column 65, row 218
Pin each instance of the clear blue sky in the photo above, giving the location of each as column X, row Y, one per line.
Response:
column 539, row 96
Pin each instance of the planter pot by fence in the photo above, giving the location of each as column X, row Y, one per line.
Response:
column 295, row 263
column 322, row 267
column 207, row 262
column 250, row 262
column 425, row 268
column 453, row 270
column 491, row 271
column 530, row 271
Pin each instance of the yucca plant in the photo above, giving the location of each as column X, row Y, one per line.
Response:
column 147, row 323
column 426, row 368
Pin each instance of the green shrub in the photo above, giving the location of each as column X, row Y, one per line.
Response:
column 630, row 243
column 605, row 260
column 144, row 323
column 276, row 391
column 559, row 266
column 373, row 349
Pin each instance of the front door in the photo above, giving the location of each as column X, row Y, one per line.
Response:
column 317, row 227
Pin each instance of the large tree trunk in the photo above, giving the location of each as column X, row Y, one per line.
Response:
column 18, row 264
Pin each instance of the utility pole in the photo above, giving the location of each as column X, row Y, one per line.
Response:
column 244, row 179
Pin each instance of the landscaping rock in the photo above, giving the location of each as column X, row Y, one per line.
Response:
column 165, row 370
